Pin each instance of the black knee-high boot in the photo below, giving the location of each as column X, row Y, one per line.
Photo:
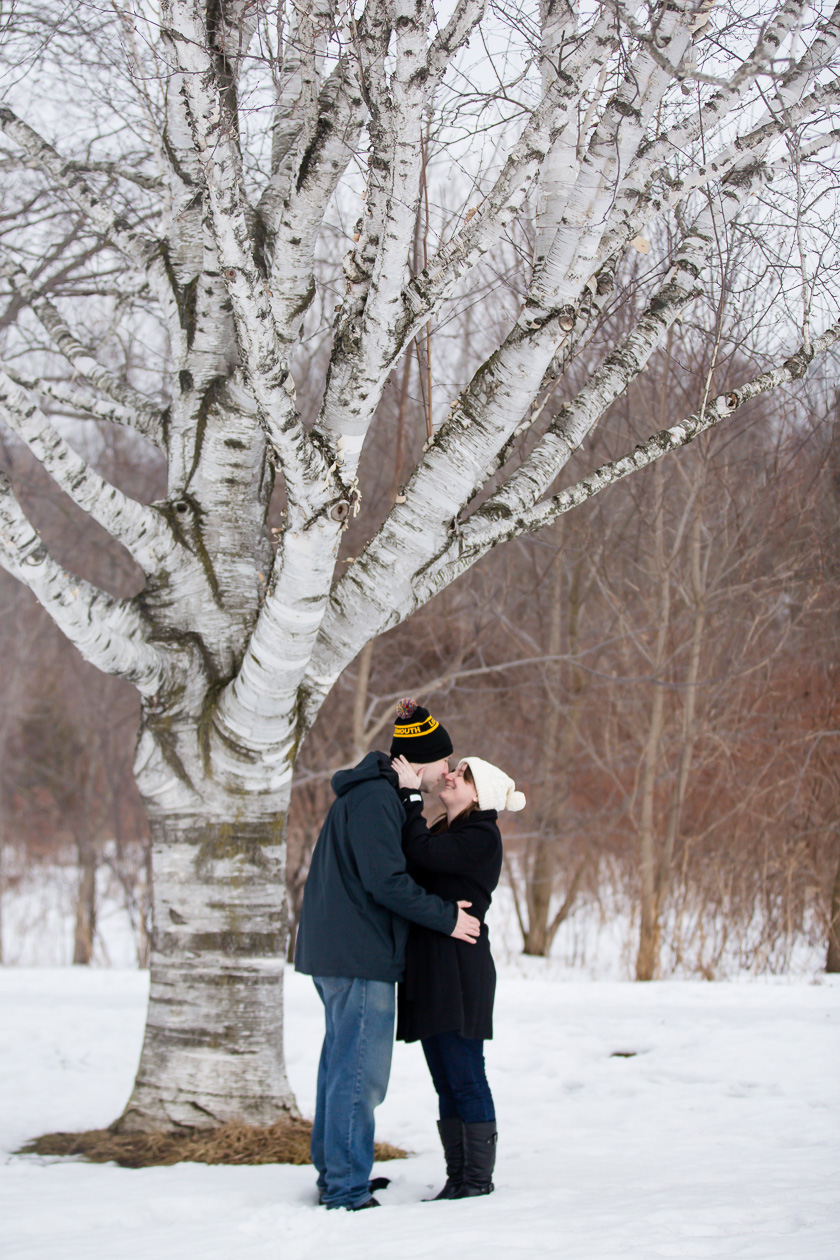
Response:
column 479, row 1159
column 452, row 1139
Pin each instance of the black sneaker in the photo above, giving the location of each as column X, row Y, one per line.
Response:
column 360, row 1207
column 376, row 1183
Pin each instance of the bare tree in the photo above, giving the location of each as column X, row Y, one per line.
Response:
column 699, row 784
column 238, row 130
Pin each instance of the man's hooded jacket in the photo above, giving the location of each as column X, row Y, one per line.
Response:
column 358, row 896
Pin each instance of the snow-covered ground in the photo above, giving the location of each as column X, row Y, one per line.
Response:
column 721, row 1137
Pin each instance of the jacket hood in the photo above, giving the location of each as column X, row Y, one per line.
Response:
column 374, row 766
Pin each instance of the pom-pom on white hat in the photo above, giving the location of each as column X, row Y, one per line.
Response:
column 496, row 790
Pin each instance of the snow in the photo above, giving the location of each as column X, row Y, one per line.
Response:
column 598, row 941
column 39, row 914
column 719, row 1137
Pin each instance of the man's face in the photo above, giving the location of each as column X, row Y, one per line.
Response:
column 431, row 774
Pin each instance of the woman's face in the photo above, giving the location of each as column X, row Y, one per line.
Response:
column 456, row 793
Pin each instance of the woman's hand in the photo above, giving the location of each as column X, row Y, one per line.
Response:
column 407, row 777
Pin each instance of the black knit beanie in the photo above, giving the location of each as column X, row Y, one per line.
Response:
column 417, row 736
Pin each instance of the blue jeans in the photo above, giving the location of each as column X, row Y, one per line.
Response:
column 457, row 1067
column 352, row 1080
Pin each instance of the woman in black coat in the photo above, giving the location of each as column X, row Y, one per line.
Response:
column 446, row 998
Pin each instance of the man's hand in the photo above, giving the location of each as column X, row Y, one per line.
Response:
column 467, row 928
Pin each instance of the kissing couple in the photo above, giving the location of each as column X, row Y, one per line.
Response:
column 391, row 901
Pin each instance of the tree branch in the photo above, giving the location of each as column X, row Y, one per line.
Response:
column 404, row 561
column 484, row 418
column 455, row 35
column 108, row 633
column 136, row 409
column 524, row 164
column 634, row 204
column 305, row 470
column 139, row 529
column 636, row 201
column 371, row 328
column 479, row 541
column 365, row 340
column 559, row 171
column 378, row 589
column 571, row 260
column 67, row 177
column 143, row 251
column 578, row 417
column 152, row 183
column 74, row 398
column 312, row 152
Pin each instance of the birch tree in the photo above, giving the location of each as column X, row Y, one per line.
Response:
column 240, row 126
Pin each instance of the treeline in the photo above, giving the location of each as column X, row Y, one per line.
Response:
column 659, row 673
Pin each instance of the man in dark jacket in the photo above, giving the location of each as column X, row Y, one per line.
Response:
column 357, row 903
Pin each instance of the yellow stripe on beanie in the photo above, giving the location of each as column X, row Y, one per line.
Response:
column 418, row 728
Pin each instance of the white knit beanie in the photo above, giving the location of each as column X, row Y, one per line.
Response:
column 496, row 790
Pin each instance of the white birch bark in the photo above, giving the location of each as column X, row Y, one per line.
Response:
column 129, row 407
column 108, row 633
column 659, row 444
column 233, row 645
column 138, row 528
column 77, row 399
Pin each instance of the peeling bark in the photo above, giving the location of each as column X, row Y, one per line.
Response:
column 213, row 1050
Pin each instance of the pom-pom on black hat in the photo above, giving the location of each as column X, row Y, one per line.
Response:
column 418, row 736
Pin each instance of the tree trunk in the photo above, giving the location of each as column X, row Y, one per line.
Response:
column 558, row 746
column 144, row 915
column 213, row 1049
column 689, row 725
column 85, row 904
column 647, row 959
column 540, row 888
column 832, row 962
column 360, row 701
column 540, row 935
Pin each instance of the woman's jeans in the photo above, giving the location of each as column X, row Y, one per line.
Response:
column 457, row 1067
column 352, row 1080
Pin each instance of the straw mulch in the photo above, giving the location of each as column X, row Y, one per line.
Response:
column 286, row 1142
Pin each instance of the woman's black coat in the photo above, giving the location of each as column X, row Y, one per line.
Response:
column 449, row 985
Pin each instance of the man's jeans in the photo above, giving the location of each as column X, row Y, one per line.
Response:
column 352, row 1080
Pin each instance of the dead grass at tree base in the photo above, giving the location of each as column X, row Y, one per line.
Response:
column 286, row 1142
